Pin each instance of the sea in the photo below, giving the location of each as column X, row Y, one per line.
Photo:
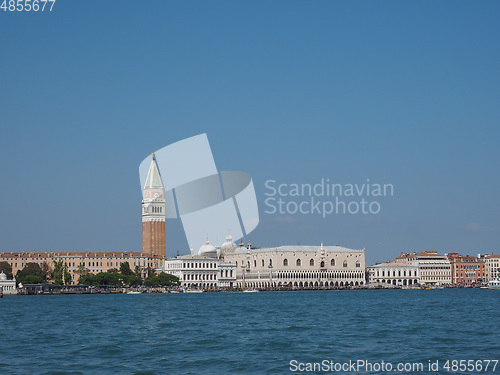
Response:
column 290, row 332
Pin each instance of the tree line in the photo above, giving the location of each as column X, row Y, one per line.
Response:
column 33, row 273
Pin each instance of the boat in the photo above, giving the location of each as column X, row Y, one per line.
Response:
column 174, row 291
column 250, row 290
column 193, row 291
column 134, row 292
column 494, row 284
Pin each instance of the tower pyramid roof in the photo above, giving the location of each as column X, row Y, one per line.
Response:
column 153, row 180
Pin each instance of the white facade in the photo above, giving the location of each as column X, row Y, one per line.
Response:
column 199, row 271
column 226, row 277
column 492, row 267
column 8, row 286
column 284, row 266
column 298, row 267
column 434, row 269
column 394, row 274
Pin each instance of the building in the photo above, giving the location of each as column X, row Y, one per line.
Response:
column 284, row 266
column 394, row 274
column 7, row 286
column 492, row 267
column 153, row 214
column 95, row 262
column 298, row 266
column 466, row 270
column 434, row 269
column 205, row 270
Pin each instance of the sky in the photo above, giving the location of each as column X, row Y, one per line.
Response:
column 402, row 93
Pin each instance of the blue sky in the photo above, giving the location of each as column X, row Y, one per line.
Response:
column 398, row 92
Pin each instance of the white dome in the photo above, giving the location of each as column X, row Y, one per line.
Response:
column 229, row 246
column 208, row 250
column 3, row 276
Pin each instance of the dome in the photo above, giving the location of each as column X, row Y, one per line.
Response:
column 208, row 250
column 3, row 276
column 241, row 248
column 229, row 246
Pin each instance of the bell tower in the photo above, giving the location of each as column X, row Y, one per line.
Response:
column 153, row 213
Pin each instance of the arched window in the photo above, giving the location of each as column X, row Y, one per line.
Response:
column 358, row 264
column 262, row 262
column 271, row 262
column 332, row 263
column 254, row 263
column 299, row 263
column 345, row 263
column 248, row 264
column 285, row 262
column 311, row 262
column 322, row 264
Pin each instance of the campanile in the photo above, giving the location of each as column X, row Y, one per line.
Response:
column 153, row 213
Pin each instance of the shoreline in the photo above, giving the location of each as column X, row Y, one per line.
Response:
column 152, row 290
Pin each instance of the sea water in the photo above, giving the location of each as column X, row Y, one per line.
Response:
column 249, row 333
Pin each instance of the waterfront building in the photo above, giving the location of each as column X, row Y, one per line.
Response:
column 466, row 270
column 395, row 274
column 434, row 268
column 153, row 214
column 284, row 266
column 95, row 262
column 7, row 286
column 492, row 267
column 204, row 270
column 298, row 266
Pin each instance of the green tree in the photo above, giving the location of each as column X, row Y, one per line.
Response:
column 58, row 272
column 163, row 279
column 125, row 269
column 87, row 279
column 32, row 279
column 30, row 274
column 107, row 278
column 81, row 271
column 167, row 279
column 7, row 269
column 131, row 280
column 152, row 280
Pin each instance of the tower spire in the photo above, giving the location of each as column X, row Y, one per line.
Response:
column 153, row 180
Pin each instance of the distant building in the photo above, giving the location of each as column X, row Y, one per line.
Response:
column 153, row 214
column 492, row 267
column 7, row 286
column 395, row 274
column 284, row 266
column 434, row 268
column 298, row 266
column 466, row 269
column 95, row 262
column 205, row 270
